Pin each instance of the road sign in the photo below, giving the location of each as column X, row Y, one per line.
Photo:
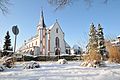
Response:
column 15, row 30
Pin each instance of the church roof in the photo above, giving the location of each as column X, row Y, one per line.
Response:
column 67, row 45
column 56, row 23
column 118, row 36
column 51, row 26
column 33, row 37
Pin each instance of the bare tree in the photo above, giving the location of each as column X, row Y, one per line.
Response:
column 62, row 3
column 4, row 6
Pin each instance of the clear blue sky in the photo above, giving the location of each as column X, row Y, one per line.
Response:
column 74, row 20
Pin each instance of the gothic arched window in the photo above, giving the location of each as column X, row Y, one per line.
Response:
column 36, row 42
column 57, row 42
column 57, row 30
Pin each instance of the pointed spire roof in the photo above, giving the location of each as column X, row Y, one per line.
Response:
column 41, row 22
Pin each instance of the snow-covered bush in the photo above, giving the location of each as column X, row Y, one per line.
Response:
column 31, row 65
column 92, row 59
column 62, row 61
column 92, row 64
column 1, row 68
column 8, row 62
column 92, row 55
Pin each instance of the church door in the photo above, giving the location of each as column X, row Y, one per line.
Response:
column 57, row 52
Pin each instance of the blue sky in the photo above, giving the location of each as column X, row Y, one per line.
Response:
column 74, row 20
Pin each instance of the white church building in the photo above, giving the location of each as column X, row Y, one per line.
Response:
column 47, row 41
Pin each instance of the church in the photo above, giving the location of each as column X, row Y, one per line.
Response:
column 47, row 41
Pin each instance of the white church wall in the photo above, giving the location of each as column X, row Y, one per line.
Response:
column 33, row 42
column 53, row 36
column 36, row 51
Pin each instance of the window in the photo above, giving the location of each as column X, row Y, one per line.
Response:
column 57, row 42
column 32, row 44
column 57, row 30
column 36, row 42
column 29, row 45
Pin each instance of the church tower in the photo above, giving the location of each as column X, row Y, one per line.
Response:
column 41, row 29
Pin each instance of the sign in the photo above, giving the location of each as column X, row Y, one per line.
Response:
column 15, row 30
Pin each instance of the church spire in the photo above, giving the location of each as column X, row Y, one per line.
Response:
column 41, row 23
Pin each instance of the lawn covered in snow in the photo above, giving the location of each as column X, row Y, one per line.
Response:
column 54, row 71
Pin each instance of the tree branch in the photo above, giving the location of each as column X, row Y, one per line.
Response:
column 4, row 6
column 62, row 3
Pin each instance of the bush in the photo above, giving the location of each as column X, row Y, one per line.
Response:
column 7, row 61
column 92, row 55
column 92, row 59
column 114, row 53
column 62, row 61
column 31, row 65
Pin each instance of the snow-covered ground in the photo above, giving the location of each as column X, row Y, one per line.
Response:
column 54, row 71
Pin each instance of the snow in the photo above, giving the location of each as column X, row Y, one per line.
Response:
column 62, row 61
column 52, row 71
column 1, row 67
column 31, row 65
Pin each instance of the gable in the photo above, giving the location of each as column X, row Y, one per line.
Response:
column 56, row 26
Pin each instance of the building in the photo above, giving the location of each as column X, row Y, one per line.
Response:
column 116, row 42
column 47, row 41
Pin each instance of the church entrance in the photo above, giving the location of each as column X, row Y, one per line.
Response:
column 57, row 52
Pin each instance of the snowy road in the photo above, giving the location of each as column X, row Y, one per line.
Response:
column 54, row 71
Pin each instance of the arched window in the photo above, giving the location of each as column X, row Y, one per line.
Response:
column 29, row 45
column 31, row 52
column 36, row 42
column 32, row 44
column 57, row 30
column 57, row 42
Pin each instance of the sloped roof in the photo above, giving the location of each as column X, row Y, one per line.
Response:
column 67, row 45
column 41, row 22
column 54, row 25
column 51, row 26
column 118, row 36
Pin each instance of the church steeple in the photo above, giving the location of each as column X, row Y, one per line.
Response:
column 41, row 23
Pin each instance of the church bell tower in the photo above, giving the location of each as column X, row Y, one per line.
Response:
column 41, row 29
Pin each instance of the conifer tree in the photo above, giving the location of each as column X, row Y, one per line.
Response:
column 7, row 44
column 93, row 40
column 93, row 58
column 101, row 46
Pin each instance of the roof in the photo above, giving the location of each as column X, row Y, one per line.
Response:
column 41, row 22
column 51, row 26
column 56, row 23
column 67, row 45
column 33, row 37
column 118, row 36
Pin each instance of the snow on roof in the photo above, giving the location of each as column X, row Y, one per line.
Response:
column 114, row 42
column 51, row 26
column 33, row 37
column 118, row 36
column 67, row 45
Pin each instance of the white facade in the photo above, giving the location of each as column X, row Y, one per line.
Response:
column 56, row 32
column 47, row 41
